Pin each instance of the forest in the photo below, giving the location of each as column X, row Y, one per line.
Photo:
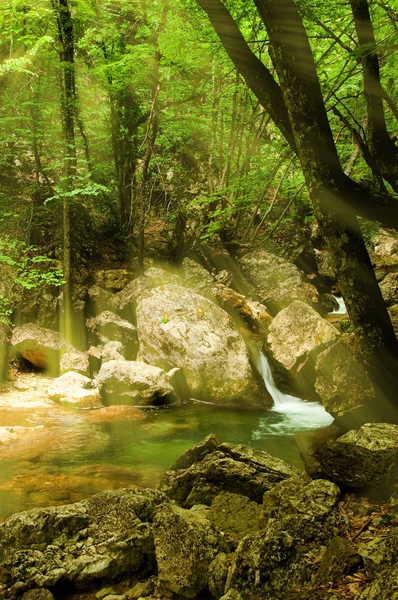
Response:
column 198, row 298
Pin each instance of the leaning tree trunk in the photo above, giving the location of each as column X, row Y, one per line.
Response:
column 293, row 60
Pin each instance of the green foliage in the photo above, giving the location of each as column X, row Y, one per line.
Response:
column 32, row 269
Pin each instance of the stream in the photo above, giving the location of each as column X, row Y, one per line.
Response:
column 56, row 456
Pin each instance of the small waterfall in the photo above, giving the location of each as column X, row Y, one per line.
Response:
column 341, row 310
column 295, row 414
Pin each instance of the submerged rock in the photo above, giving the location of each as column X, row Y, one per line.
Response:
column 133, row 382
column 178, row 328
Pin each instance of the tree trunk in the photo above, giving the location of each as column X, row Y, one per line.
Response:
column 383, row 208
column 68, row 103
column 293, row 60
column 381, row 146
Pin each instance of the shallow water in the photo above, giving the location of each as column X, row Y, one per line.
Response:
column 50, row 455
column 72, row 457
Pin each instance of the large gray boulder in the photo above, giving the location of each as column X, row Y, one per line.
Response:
column 136, row 383
column 185, row 545
column 81, row 544
column 179, row 328
column 276, row 281
column 39, row 345
column 297, row 331
column 128, row 296
column 361, row 458
column 75, row 390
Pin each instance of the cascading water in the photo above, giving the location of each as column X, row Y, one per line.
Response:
column 292, row 414
column 341, row 310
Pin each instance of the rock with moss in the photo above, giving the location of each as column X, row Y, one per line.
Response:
column 135, row 383
column 339, row 560
column 179, row 328
column 297, row 332
column 82, row 544
column 236, row 469
column 341, row 380
column 185, row 545
column 234, row 514
column 40, row 346
column 299, row 495
column 75, row 390
column 108, row 326
column 389, row 289
column 277, row 282
column 361, row 458
column 112, row 279
column 218, row 573
column 74, row 360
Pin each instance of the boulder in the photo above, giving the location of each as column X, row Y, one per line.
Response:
column 179, row 328
column 38, row 594
column 389, row 289
column 218, row 573
column 112, row 351
column 74, row 389
column 210, row 470
column 197, row 278
column 234, row 514
column 275, row 561
column 253, row 313
column 129, row 295
column 112, row 279
column 74, row 360
column 108, row 326
column 40, row 305
column 341, row 381
column 385, row 249
column 277, row 282
column 81, row 544
column 393, row 312
column 361, row 458
column 324, row 265
column 185, row 545
column 136, row 383
column 296, row 332
column 38, row 345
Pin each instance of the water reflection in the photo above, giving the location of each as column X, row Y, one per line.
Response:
column 76, row 454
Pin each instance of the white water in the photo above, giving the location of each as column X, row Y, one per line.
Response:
column 341, row 310
column 291, row 414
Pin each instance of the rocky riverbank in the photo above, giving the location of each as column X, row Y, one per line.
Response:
column 227, row 522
